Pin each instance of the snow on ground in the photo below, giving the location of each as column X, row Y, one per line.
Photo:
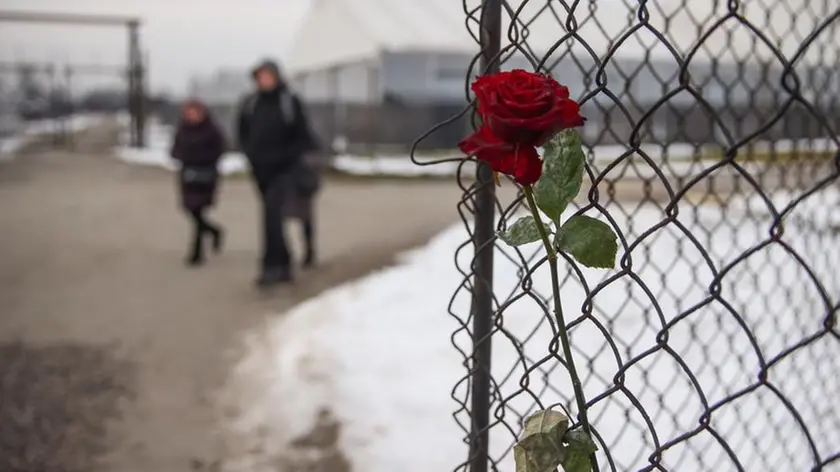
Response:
column 397, row 166
column 159, row 141
column 39, row 128
column 156, row 153
column 378, row 351
column 10, row 145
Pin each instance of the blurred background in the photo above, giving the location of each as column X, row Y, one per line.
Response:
column 383, row 76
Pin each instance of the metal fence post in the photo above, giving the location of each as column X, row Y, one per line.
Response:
column 135, row 84
column 142, row 92
column 70, row 136
column 482, row 301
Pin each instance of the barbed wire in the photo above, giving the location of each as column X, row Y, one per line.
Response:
column 713, row 153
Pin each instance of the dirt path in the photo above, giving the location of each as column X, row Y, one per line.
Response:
column 109, row 346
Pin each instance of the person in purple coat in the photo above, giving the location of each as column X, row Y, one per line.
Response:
column 198, row 146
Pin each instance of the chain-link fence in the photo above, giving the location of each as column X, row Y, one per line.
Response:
column 713, row 153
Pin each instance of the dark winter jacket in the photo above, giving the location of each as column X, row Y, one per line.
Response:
column 273, row 131
column 198, row 147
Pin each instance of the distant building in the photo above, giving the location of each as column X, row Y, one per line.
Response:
column 375, row 51
column 224, row 87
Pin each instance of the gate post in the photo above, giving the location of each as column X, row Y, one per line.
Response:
column 484, row 203
column 136, row 93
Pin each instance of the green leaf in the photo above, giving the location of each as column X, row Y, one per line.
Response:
column 562, row 176
column 591, row 242
column 541, row 447
column 522, row 231
column 579, row 447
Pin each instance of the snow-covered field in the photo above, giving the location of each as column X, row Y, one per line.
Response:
column 159, row 141
column 156, row 153
column 34, row 129
column 379, row 353
column 10, row 145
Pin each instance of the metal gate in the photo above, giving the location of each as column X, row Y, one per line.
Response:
column 53, row 103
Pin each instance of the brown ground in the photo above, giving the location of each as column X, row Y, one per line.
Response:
column 100, row 320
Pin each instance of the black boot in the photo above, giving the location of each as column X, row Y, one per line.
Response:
column 274, row 276
column 309, row 259
column 309, row 237
column 196, row 255
column 195, row 260
column 218, row 236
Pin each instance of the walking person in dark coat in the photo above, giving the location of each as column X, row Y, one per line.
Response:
column 274, row 134
column 198, row 146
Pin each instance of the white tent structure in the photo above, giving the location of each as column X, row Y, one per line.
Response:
column 351, row 44
column 399, row 67
column 341, row 31
column 364, row 50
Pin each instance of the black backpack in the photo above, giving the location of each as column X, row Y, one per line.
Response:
column 306, row 177
column 287, row 106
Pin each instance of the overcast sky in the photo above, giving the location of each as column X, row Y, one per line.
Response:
column 182, row 37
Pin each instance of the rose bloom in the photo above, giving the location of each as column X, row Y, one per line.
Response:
column 526, row 108
column 520, row 111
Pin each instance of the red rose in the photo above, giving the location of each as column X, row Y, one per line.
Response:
column 521, row 162
column 522, row 107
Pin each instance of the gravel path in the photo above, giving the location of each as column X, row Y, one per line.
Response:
column 111, row 349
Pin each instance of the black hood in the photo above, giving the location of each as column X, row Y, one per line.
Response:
column 270, row 66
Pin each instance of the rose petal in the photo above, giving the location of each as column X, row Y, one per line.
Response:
column 525, row 108
column 529, row 168
column 485, row 145
column 521, row 162
column 512, row 130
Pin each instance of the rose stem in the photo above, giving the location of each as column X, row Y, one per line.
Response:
column 558, row 314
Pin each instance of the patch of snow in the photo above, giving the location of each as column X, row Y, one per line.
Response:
column 32, row 130
column 159, row 141
column 379, row 354
column 10, row 145
column 72, row 123
column 232, row 162
column 394, row 165
column 156, row 153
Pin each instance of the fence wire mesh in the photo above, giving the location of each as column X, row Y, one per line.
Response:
column 713, row 153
